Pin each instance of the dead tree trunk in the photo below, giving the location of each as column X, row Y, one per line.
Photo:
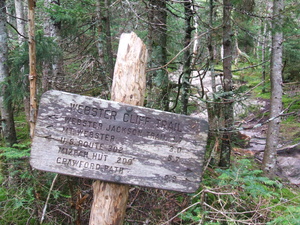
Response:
column 129, row 85
column 32, row 67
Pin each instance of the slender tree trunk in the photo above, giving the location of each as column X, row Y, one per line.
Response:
column 52, row 71
column 109, row 53
column 6, row 109
column 214, row 110
column 105, row 75
column 49, row 31
column 99, row 32
column 196, row 38
column 211, row 47
column 32, row 66
column 188, row 15
column 266, row 40
column 263, row 56
column 104, row 44
column 158, row 50
column 270, row 154
column 227, row 85
column 20, row 20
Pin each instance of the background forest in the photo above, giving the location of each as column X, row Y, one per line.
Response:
column 208, row 58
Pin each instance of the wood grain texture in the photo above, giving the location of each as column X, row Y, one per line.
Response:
column 94, row 138
column 109, row 203
column 129, row 84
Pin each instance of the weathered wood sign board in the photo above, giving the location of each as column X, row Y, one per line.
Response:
column 93, row 138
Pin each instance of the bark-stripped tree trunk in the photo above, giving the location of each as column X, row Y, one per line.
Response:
column 270, row 154
column 188, row 15
column 129, row 85
column 6, row 109
column 227, row 85
column 32, row 66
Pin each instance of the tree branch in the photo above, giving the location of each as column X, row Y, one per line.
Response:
column 17, row 30
column 45, row 207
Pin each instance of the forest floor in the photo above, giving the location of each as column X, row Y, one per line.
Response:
column 72, row 197
column 288, row 152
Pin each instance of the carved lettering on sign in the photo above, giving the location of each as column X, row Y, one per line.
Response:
column 94, row 138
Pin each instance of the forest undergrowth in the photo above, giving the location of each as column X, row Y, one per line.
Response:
column 238, row 195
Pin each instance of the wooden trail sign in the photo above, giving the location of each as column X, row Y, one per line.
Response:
column 136, row 158
column 93, row 138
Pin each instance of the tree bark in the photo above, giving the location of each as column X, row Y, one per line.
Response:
column 104, row 44
column 158, row 50
column 105, row 76
column 270, row 156
column 263, row 57
column 52, row 70
column 100, row 43
column 20, row 20
column 211, row 47
column 109, row 53
column 188, row 15
column 227, row 85
column 129, row 85
column 32, row 66
column 214, row 110
column 266, row 42
column 6, row 109
column 195, row 35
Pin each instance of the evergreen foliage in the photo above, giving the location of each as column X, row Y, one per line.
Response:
column 242, row 195
column 238, row 195
column 46, row 51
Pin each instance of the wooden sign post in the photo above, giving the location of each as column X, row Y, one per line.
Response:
column 119, row 142
column 129, row 85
